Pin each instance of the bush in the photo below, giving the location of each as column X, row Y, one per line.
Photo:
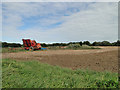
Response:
column 5, row 44
column 73, row 46
column 77, row 46
column 88, row 47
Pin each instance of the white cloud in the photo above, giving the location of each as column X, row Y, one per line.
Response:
column 97, row 22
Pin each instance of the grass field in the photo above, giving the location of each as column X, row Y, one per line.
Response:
column 33, row 74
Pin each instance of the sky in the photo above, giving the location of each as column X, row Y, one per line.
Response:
column 50, row 22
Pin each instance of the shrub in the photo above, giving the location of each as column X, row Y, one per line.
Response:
column 73, row 46
column 77, row 46
column 87, row 47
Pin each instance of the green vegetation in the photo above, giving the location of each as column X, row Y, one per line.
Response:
column 5, row 44
column 102, row 43
column 77, row 46
column 9, row 50
column 33, row 74
column 73, row 47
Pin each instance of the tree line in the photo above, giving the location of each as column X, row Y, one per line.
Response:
column 103, row 43
column 5, row 44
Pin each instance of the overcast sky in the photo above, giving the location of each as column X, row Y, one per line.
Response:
column 60, row 21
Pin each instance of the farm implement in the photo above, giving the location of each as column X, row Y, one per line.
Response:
column 31, row 45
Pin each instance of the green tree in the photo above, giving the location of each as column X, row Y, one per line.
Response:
column 80, row 43
column 118, row 43
column 105, row 43
column 86, row 43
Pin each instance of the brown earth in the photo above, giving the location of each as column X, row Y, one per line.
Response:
column 94, row 59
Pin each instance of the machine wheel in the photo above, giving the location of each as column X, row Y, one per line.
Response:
column 31, row 49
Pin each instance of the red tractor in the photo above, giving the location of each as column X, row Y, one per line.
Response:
column 31, row 44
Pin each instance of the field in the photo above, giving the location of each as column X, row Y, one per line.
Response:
column 61, row 68
column 95, row 59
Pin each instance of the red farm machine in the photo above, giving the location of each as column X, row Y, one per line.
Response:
column 31, row 45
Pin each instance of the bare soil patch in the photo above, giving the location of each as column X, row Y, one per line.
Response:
column 95, row 59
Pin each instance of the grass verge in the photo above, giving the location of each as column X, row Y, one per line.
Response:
column 33, row 74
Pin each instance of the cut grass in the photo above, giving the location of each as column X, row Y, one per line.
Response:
column 33, row 74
